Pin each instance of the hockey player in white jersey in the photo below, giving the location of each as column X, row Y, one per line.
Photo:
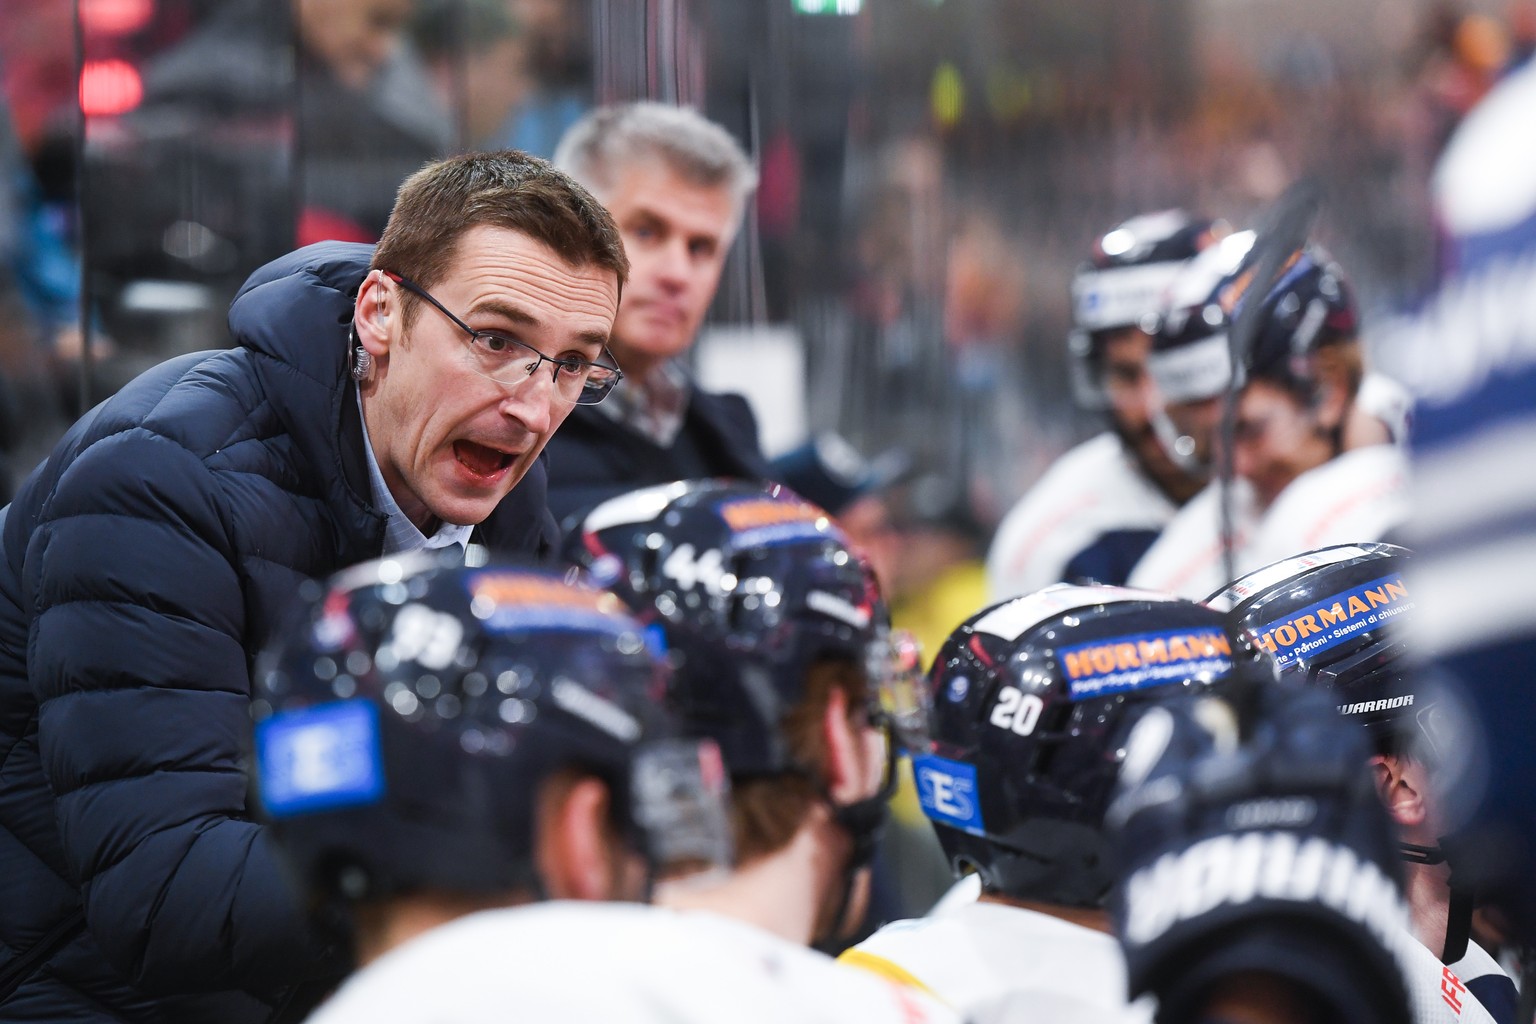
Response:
column 1032, row 699
column 1097, row 508
column 450, row 756
column 1342, row 618
column 1297, row 485
column 784, row 655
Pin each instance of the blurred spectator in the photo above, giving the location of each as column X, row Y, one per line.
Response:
column 559, row 63
column 476, row 57
column 1467, row 52
column 830, row 472
column 198, row 182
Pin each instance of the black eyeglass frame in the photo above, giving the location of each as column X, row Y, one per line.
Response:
column 539, row 358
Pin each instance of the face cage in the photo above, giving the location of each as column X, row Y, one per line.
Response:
column 899, row 700
column 1083, row 372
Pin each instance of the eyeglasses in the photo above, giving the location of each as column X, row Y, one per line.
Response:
column 507, row 360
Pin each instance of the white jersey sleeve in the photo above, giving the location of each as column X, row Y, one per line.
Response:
column 1187, row 559
column 995, row 962
column 1386, row 400
column 1488, row 981
column 619, row 964
column 1437, row 994
column 1360, row 496
column 1093, row 496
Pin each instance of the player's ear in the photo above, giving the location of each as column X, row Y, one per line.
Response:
column 1334, row 395
column 848, row 760
column 573, row 848
column 1402, row 799
column 374, row 313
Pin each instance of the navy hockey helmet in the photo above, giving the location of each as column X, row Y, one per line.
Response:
column 1122, row 284
column 1337, row 618
column 1332, row 617
column 1191, row 358
column 751, row 585
column 407, row 717
column 1309, row 308
column 1032, row 701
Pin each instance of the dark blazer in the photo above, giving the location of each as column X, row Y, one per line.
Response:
column 141, row 567
column 593, row 457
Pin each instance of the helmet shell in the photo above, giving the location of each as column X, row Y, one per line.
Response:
column 408, row 714
column 1335, row 617
column 750, row 584
column 1032, row 700
column 1122, row 284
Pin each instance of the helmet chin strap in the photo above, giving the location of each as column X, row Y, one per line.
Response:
column 863, row 821
column 1458, row 919
column 1180, row 447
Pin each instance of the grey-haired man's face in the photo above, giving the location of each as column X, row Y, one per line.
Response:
column 676, row 234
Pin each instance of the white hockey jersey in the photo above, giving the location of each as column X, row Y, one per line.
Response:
column 991, row 961
column 1438, row 995
column 1091, row 510
column 995, row 962
column 618, row 964
column 1359, row 496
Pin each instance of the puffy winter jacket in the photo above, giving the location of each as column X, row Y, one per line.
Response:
column 143, row 564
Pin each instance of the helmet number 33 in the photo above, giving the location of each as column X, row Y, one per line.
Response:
column 1017, row 711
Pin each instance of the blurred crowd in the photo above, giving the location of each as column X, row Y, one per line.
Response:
column 1094, row 308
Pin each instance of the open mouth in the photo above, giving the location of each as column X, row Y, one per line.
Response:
column 481, row 460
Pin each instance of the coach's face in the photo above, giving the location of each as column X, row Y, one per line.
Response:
column 450, row 441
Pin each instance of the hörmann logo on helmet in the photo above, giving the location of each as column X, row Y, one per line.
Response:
column 1144, row 659
column 506, row 601
column 764, row 521
column 1333, row 620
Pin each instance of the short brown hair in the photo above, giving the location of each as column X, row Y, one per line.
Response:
column 766, row 811
column 506, row 189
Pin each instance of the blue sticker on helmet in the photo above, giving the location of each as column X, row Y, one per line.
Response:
column 947, row 791
column 320, row 758
column 1333, row 620
column 1132, row 662
column 655, row 640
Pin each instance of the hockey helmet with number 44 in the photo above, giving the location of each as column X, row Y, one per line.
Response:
column 751, row 585
column 408, row 717
column 1032, row 700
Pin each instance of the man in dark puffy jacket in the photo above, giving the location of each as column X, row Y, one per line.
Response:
column 374, row 402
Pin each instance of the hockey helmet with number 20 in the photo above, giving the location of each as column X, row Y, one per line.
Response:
column 1032, row 700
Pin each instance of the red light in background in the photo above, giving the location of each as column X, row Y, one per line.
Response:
column 115, row 17
column 109, row 87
